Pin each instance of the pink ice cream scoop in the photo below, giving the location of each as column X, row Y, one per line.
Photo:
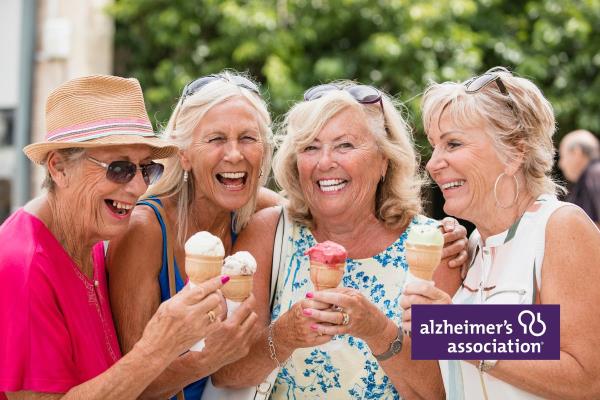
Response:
column 327, row 264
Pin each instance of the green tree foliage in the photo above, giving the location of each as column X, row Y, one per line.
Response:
column 397, row 45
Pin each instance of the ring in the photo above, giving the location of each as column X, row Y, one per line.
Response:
column 212, row 317
column 337, row 308
column 345, row 318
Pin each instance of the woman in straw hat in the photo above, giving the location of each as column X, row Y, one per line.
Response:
column 222, row 129
column 58, row 338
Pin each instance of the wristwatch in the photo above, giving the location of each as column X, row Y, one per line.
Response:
column 395, row 347
column 486, row 365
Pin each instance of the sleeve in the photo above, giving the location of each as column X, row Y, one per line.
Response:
column 35, row 345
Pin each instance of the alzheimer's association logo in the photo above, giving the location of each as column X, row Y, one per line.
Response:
column 490, row 332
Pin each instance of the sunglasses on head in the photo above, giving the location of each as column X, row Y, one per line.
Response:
column 364, row 94
column 238, row 80
column 477, row 83
column 124, row 171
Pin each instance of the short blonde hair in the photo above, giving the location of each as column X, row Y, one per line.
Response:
column 520, row 124
column 180, row 128
column 398, row 195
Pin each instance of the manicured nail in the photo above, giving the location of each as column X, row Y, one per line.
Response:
column 306, row 311
column 314, row 327
column 310, row 295
column 224, row 279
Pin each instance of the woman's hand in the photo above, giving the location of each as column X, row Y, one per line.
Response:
column 455, row 242
column 185, row 318
column 295, row 328
column 232, row 340
column 420, row 293
column 347, row 311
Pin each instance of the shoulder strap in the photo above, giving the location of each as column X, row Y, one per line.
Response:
column 278, row 250
column 156, row 205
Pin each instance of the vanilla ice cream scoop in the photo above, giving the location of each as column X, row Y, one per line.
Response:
column 424, row 245
column 206, row 244
column 240, row 263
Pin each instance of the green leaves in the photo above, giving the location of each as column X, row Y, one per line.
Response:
column 397, row 45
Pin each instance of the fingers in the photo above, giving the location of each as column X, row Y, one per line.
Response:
column 460, row 260
column 332, row 317
column 452, row 249
column 448, row 224
column 243, row 311
column 195, row 293
column 314, row 304
column 340, row 298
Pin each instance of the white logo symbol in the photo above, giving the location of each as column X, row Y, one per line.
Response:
column 535, row 318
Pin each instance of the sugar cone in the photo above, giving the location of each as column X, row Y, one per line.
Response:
column 325, row 276
column 238, row 288
column 200, row 268
column 423, row 259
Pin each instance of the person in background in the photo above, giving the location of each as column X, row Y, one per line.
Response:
column 57, row 337
column 350, row 172
column 580, row 163
column 221, row 126
column 492, row 158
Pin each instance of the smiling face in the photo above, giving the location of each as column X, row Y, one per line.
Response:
column 465, row 165
column 340, row 169
column 101, row 208
column 226, row 153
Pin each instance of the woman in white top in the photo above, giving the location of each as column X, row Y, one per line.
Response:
column 492, row 158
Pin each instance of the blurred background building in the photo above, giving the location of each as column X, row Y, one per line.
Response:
column 44, row 43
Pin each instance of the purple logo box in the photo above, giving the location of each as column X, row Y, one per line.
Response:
column 489, row 332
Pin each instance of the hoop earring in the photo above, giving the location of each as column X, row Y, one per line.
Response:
column 185, row 176
column 496, row 188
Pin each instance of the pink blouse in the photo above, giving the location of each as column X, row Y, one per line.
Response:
column 56, row 327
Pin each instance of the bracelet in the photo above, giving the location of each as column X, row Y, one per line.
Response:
column 271, row 344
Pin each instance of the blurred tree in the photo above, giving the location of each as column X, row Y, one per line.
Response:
column 397, row 45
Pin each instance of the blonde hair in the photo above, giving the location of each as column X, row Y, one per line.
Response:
column 398, row 194
column 520, row 124
column 180, row 128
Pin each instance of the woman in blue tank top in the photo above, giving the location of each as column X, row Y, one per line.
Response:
column 222, row 128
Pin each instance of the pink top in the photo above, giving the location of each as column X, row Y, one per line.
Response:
column 56, row 325
column 328, row 252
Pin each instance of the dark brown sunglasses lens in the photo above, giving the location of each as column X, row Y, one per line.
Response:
column 121, row 171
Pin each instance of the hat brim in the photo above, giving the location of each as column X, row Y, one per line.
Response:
column 38, row 152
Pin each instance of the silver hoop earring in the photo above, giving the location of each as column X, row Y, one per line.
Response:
column 185, row 176
column 516, row 191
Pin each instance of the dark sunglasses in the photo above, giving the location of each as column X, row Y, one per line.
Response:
column 364, row 94
column 193, row 87
column 124, row 171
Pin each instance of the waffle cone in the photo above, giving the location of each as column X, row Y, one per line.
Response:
column 238, row 288
column 423, row 259
column 325, row 276
column 200, row 268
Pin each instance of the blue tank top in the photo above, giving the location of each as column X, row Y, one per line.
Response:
column 194, row 390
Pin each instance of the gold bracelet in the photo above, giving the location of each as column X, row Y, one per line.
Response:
column 271, row 344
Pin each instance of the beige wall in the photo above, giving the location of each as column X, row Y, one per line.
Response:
column 75, row 38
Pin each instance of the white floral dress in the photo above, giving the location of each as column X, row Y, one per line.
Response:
column 343, row 368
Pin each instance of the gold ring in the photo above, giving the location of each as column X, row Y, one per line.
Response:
column 212, row 317
column 345, row 318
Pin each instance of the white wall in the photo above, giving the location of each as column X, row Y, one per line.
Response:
column 10, row 34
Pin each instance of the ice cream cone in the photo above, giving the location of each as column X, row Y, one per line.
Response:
column 422, row 259
column 326, row 276
column 200, row 268
column 238, row 288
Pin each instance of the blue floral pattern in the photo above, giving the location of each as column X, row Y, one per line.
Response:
column 343, row 368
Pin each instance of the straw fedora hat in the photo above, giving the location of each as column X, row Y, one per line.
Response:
column 97, row 111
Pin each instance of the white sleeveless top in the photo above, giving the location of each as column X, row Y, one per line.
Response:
column 506, row 269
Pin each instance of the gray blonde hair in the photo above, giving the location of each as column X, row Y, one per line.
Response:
column 180, row 128
column 519, row 125
column 398, row 195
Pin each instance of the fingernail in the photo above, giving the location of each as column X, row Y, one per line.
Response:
column 314, row 327
column 307, row 312
column 310, row 295
column 224, row 279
